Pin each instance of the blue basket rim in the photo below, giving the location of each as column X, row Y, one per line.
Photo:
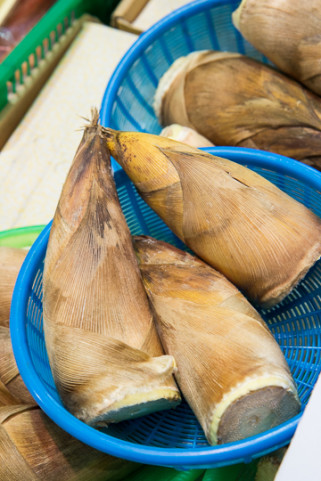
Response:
column 140, row 45
column 267, row 160
column 239, row 451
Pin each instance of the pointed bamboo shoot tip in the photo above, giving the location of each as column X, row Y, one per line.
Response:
column 94, row 117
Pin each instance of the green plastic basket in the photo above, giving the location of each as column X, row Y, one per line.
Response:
column 20, row 237
column 25, row 70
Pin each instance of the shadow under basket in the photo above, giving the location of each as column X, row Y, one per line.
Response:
column 174, row 437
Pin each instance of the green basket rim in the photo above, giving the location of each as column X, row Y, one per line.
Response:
column 20, row 236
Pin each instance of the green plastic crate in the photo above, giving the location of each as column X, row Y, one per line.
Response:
column 25, row 70
column 237, row 472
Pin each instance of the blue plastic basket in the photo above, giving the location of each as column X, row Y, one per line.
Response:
column 174, row 438
column 205, row 24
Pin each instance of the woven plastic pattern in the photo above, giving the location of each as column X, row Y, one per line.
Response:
column 174, row 437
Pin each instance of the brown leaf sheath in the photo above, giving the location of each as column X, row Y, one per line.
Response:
column 234, row 100
column 9, row 374
column 288, row 33
column 33, row 448
column 99, row 329
column 230, row 368
column 260, row 238
column 11, row 259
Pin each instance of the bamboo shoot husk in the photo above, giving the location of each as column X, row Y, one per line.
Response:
column 6, row 397
column 103, row 348
column 234, row 100
column 260, row 238
column 230, row 370
column 288, row 33
column 9, row 373
column 268, row 465
column 11, row 259
column 33, row 448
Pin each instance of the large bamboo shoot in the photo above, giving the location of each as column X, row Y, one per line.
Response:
column 231, row 370
column 234, row 100
column 260, row 238
column 105, row 355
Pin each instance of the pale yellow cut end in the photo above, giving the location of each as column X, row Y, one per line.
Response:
column 139, row 404
column 237, row 14
column 246, row 418
column 175, row 132
column 187, row 135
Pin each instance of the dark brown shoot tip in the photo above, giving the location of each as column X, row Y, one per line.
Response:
column 94, row 117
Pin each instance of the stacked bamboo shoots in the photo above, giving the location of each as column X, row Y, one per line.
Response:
column 230, row 368
column 9, row 374
column 260, row 238
column 288, row 33
column 11, row 259
column 33, row 448
column 233, row 100
column 103, row 348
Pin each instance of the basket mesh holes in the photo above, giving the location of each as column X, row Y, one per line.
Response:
column 36, row 291
column 10, row 91
column 70, row 19
column 295, row 324
column 17, row 80
column 34, row 332
column 60, row 28
column 172, row 428
column 129, row 101
column 46, row 46
column 304, row 393
column 221, row 33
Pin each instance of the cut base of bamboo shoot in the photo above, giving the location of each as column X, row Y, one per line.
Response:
column 256, row 412
column 137, row 405
column 277, row 294
column 126, row 377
